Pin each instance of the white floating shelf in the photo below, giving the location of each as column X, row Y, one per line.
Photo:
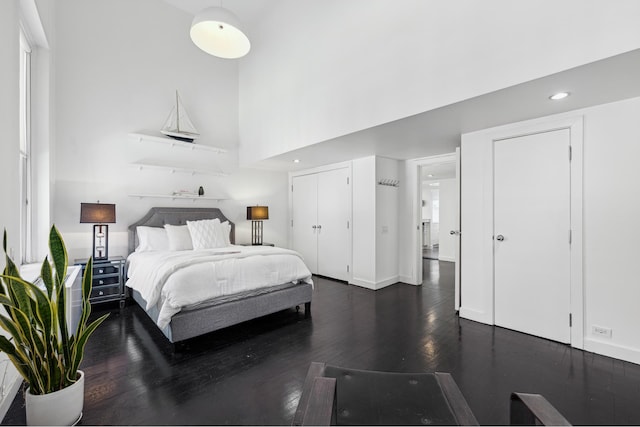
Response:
column 175, row 197
column 140, row 137
column 173, row 169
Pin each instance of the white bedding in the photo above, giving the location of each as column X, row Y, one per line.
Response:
column 177, row 279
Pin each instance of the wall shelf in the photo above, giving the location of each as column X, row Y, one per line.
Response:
column 176, row 197
column 173, row 169
column 148, row 137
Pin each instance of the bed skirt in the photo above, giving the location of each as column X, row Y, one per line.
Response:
column 220, row 313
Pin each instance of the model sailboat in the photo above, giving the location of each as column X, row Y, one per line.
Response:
column 178, row 125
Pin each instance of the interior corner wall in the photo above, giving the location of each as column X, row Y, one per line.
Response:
column 375, row 223
column 117, row 67
column 610, row 227
column 386, row 232
column 364, row 222
column 307, row 81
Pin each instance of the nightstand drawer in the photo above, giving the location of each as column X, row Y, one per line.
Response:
column 104, row 291
column 109, row 280
column 106, row 269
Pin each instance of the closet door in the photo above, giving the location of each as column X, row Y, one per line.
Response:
column 333, row 224
column 305, row 219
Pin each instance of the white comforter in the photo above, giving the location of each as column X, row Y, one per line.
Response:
column 178, row 279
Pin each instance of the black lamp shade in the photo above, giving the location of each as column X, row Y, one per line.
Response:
column 97, row 213
column 257, row 213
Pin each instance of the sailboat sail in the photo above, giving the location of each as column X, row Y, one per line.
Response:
column 178, row 124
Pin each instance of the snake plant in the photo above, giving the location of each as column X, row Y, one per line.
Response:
column 40, row 346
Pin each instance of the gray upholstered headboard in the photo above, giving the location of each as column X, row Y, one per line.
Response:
column 158, row 217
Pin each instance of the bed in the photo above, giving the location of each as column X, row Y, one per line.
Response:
column 215, row 312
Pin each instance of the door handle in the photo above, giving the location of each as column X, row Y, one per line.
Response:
column 314, row 226
column 454, row 232
column 499, row 237
column 319, row 227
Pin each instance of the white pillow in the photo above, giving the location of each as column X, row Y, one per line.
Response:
column 179, row 237
column 206, row 234
column 225, row 227
column 152, row 239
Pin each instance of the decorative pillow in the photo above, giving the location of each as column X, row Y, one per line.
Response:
column 152, row 239
column 179, row 237
column 206, row 234
column 225, row 227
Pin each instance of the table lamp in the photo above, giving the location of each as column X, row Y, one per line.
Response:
column 99, row 214
column 256, row 214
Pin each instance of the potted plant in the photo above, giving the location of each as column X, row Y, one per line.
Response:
column 40, row 345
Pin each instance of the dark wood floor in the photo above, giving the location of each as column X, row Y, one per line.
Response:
column 253, row 373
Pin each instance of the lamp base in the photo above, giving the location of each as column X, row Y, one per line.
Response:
column 256, row 232
column 100, row 242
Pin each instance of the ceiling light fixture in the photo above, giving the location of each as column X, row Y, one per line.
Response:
column 296, row 161
column 559, row 95
column 218, row 32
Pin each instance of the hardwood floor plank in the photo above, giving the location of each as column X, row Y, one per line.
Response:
column 253, row 373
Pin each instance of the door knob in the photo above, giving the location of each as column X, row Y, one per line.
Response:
column 454, row 232
column 314, row 226
column 499, row 237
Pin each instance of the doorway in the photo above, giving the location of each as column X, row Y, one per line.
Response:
column 438, row 213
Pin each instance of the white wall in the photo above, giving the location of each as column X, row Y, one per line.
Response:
column 117, row 66
column 387, row 199
column 375, row 223
column 610, row 229
column 9, row 158
column 311, row 76
column 364, row 221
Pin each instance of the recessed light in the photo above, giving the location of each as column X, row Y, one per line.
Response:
column 296, row 161
column 430, row 175
column 558, row 96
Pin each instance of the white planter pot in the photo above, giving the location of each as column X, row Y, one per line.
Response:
column 60, row 408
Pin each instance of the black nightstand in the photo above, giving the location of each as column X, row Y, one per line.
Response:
column 108, row 280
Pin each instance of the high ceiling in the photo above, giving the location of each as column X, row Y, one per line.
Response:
column 438, row 131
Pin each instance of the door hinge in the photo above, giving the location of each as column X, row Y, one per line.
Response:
column 347, row 268
column 570, row 153
column 347, row 225
column 570, row 320
column 347, row 180
column 292, row 188
column 570, row 236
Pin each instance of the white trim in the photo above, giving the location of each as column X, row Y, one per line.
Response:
column 414, row 166
column 374, row 285
column 612, row 350
column 476, row 315
column 408, row 280
column 447, row 258
column 32, row 24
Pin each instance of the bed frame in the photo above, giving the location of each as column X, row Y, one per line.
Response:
column 211, row 317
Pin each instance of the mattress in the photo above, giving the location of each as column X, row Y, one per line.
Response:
column 172, row 281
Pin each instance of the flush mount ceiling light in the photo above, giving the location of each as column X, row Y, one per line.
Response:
column 558, row 96
column 218, row 32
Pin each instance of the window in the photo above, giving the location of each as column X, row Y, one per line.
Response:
column 25, row 149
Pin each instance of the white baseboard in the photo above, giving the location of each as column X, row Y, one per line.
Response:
column 374, row 285
column 607, row 348
column 408, row 280
column 476, row 315
column 446, row 258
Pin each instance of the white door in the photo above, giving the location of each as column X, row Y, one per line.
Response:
column 333, row 217
column 305, row 219
column 531, row 234
column 456, row 232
